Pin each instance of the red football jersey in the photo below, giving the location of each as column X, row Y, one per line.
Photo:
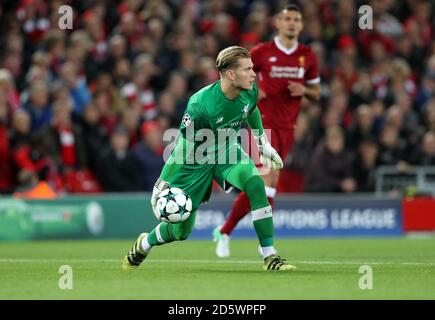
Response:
column 275, row 66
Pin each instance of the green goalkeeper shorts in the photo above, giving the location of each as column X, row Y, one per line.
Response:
column 197, row 179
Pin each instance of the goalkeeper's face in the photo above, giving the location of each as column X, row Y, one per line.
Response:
column 244, row 75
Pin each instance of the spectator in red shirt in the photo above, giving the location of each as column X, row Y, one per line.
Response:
column 27, row 153
column 6, row 182
column 63, row 140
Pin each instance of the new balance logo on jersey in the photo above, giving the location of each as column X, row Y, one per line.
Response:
column 219, row 120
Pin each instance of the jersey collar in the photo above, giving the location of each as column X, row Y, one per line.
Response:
column 284, row 49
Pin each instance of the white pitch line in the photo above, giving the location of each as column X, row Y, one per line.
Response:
column 320, row 262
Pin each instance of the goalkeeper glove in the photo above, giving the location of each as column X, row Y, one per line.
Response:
column 268, row 154
column 159, row 186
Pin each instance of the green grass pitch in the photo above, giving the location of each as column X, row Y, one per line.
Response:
column 402, row 268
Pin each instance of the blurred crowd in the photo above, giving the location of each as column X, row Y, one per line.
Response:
column 85, row 109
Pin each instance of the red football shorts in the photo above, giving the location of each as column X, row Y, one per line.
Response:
column 282, row 140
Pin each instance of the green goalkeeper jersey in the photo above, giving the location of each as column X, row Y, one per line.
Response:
column 212, row 122
column 207, row 146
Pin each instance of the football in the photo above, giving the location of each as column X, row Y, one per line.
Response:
column 173, row 206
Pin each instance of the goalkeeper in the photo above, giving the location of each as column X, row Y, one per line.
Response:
column 216, row 114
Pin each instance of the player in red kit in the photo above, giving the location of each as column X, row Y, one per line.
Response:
column 287, row 71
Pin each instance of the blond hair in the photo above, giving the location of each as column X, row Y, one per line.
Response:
column 229, row 57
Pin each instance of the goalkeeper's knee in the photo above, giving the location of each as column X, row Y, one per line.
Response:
column 255, row 190
column 181, row 233
column 182, row 236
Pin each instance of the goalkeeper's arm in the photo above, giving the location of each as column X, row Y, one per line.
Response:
column 175, row 161
column 267, row 153
column 171, row 166
column 255, row 123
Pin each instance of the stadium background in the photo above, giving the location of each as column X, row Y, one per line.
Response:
column 135, row 63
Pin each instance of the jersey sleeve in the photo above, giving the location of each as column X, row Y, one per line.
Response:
column 255, row 123
column 312, row 75
column 254, row 97
column 175, row 161
column 195, row 118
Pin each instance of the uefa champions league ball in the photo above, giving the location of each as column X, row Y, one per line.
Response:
column 173, row 206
